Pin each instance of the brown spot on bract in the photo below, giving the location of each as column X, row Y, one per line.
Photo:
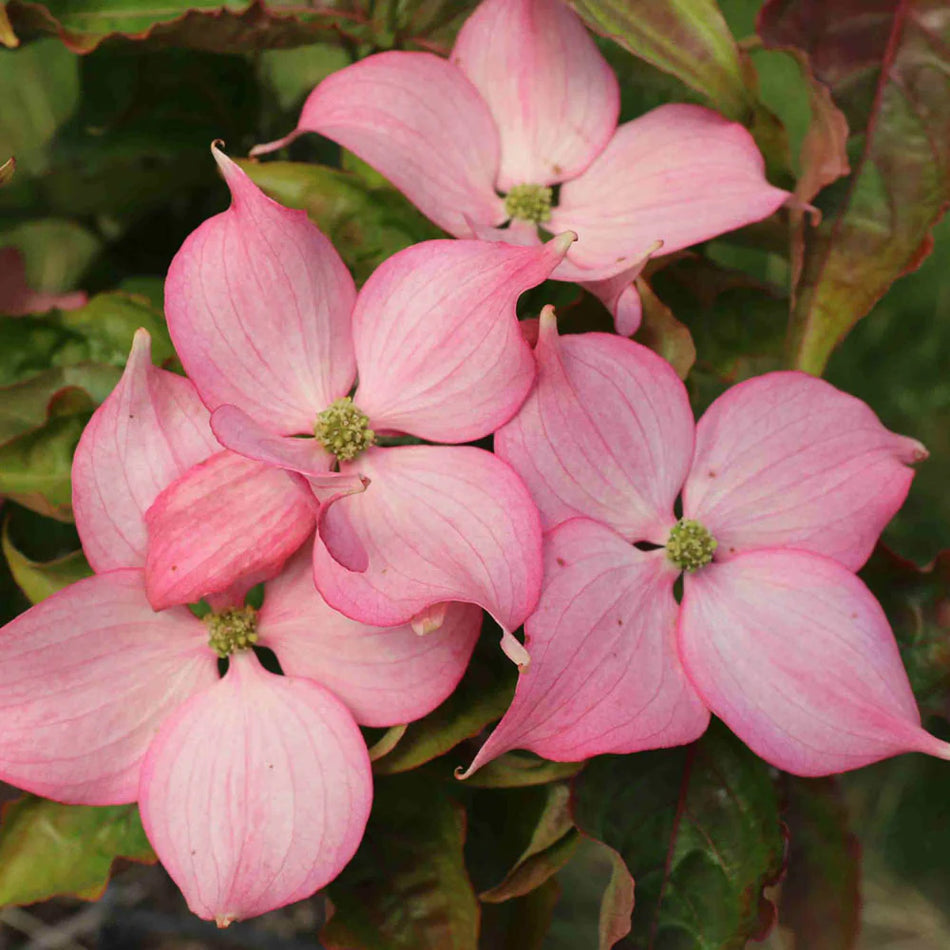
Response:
column 560, row 561
column 712, row 473
column 854, row 616
column 619, row 622
column 174, row 567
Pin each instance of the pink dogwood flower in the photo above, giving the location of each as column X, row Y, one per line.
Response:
column 254, row 788
column 786, row 484
column 268, row 325
column 526, row 105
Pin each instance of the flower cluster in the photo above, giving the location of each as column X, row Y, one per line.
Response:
column 319, row 446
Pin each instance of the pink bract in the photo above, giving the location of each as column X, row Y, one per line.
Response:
column 268, row 325
column 775, row 634
column 254, row 788
column 153, row 489
column 527, row 100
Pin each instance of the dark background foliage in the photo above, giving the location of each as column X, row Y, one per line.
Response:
column 109, row 107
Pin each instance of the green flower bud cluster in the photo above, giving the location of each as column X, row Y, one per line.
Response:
column 343, row 429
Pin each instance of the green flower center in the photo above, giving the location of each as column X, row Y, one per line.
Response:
column 529, row 203
column 343, row 429
column 232, row 630
column 690, row 546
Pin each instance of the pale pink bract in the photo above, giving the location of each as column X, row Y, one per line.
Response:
column 775, row 634
column 527, row 99
column 268, row 325
column 254, row 788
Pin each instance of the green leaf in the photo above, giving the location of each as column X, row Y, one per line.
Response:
column 890, row 76
column 820, row 897
column 687, row 38
column 39, row 579
column 27, row 405
column 738, row 321
column 56, row 252
column 204, row 24
column 35, row 467
column 406, row 888
column 597, row 899
column 663, row 333
column 386, row 742
column 915, row 600
column 481, row 697
column 699, row 829
column 100, row 332
column 234, row 25
column 896, row 361
column 48, row 849
column 292, row 73
column 39, row 89
column 553, row 841
column 522, row 923
column 366, row 224
column 519, row 769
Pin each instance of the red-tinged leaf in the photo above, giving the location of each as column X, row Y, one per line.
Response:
column 234, row 25
column 553, row 840
column 217, row 25
column 616, row 906
column 406, row 888
column 888, row 67
column 820, row 898
column 699, row 829
column 663, row 333
column 481, row 697
column 822, row 157
column 522, row 923
column 917, row 603
column 48, row 849
column 597, row 897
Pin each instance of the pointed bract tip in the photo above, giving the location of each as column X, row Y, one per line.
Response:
column 560, row 243
column 918, row 452
column 266, row 147
column 217, row 152
column 429, row 620
column 931, row 745
column 514, row 649
column 234, row 175
column 224, row 921
column 548, row 318
column 141, row 349
column 141, row 338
